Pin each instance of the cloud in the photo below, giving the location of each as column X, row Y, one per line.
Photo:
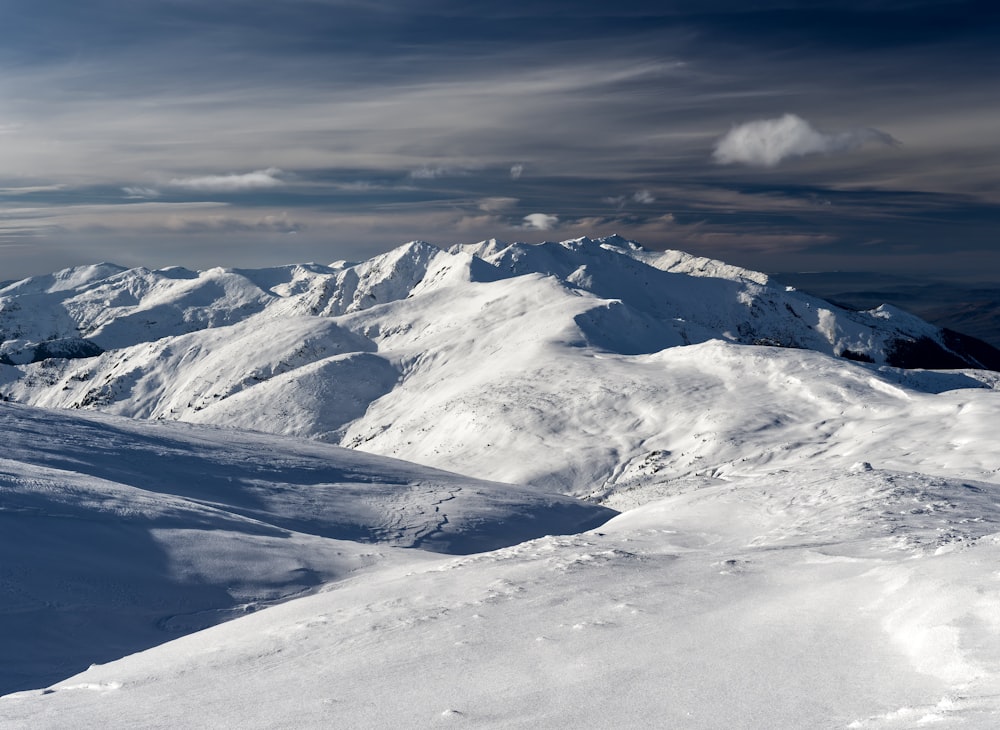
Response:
column 140, row 193
column 276, row 223
column 497, row 204
column 357, row 186
column 256, row 180
column 44, row 220
column 596, row 115
column 29, row 189
column 432, row 173
column 768, row 142
column 475, row 224
column 541, row 221
column 428, row 173
column 643, row 197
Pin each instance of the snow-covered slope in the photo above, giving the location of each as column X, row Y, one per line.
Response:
column 117, row 535
column 853, row 599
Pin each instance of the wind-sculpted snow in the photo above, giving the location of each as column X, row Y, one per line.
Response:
column 118, row 535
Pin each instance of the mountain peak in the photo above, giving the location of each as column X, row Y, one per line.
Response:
column 617, row 241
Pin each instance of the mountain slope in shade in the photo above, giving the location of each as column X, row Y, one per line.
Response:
column 117, row 535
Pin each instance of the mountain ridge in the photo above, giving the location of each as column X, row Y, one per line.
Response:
column 115, row 307
column 441, row 357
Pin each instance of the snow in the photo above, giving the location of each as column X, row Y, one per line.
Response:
column 176, row 377
column 684, row 613
column 118, row 534
column 573, row 360
column 672, row 497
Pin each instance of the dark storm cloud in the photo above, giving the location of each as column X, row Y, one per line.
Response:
column 370, row 123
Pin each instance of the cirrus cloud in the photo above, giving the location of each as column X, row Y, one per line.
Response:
column 768, row 142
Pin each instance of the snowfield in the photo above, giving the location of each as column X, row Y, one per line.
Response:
column 120, row 535
column 674, row 495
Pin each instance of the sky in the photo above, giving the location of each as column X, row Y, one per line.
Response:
column 783, row 136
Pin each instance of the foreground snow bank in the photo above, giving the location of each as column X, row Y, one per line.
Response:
column 877, row 609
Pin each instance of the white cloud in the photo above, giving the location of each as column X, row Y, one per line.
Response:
column 644, row 196
column 541, row 221
column 255, row 180
column 768, row 142
column 516, row 171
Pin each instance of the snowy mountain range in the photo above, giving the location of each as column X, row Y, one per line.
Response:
column 440, row 357
column 802, row 498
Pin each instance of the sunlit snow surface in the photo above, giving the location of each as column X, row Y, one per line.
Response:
column 805, row 541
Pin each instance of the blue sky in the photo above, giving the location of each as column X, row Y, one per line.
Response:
column 777, row 135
